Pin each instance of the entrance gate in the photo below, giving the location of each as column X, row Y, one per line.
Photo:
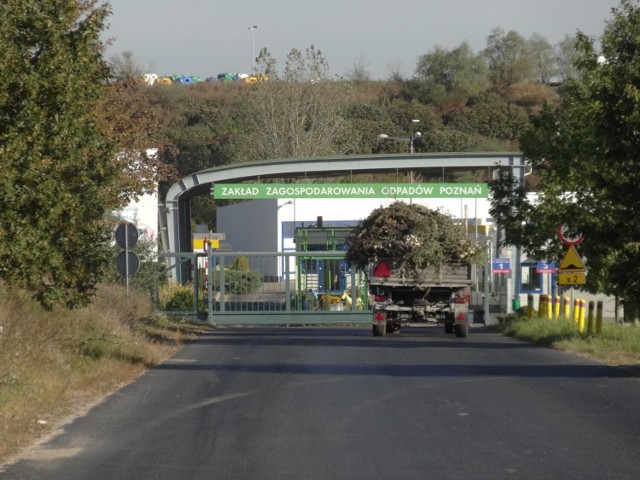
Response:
column 263, row 288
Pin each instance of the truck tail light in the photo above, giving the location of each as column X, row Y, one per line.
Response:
column 379, row 298
column 460, row 300
column 461, row 317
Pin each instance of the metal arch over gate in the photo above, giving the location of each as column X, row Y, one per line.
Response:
column 175, row 218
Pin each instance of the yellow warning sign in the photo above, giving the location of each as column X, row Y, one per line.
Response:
column 571, row 262
column 577, row 278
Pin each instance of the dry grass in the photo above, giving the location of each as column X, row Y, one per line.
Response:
column 52, row 363
column 617, row 345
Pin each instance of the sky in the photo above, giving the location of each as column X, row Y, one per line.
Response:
column 208, row 37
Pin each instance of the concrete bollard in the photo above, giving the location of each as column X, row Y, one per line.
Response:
column 591, row 319
column 576, row 311
column 567, row 308
column 599, row 319
column 581, row 316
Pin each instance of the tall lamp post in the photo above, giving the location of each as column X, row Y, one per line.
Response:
column 253, row 29
column 414, row 134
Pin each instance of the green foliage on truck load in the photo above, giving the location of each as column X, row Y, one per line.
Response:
column 414, row 236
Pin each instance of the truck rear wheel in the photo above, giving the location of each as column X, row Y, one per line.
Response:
column 379, row 330
column 462, row 331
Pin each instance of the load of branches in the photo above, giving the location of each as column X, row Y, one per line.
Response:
column 413, row 236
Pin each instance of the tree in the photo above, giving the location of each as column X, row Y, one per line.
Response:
column 566, row 57
column 359, row 71
column 61, row 172
column 586, row 154
column 125, row 66
column 301, row 115
column 265, row 63
column 544, row 58
column 459, row 70
column 508, row 57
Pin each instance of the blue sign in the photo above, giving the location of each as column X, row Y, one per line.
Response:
column 501, row 265
column 544, row 266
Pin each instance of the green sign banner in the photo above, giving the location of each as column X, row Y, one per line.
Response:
column 349, row 190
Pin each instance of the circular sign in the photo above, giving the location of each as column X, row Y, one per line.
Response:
column 126, row 235
column 569, row 241
column 127, row 263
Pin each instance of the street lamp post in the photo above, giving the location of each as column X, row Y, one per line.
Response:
column 414, row 134
column 253, row 29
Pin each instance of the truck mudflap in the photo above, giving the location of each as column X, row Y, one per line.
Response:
column 379, row 322
column 461, row 318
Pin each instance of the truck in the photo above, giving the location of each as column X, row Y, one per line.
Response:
column 433, row 295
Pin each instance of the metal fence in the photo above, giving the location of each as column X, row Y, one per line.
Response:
column 290, row 288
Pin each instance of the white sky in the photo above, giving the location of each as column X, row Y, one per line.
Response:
column 207, row 37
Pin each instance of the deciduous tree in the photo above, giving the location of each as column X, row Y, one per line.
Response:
column 587, row 155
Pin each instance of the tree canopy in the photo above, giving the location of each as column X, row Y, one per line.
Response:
column 65, row 148
column 586, row 152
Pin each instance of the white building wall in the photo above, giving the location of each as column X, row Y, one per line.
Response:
column 250, row 226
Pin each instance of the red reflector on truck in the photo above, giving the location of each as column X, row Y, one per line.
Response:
column 460, row 316
column 460, row 300
column 380, row 316
column 382, row 269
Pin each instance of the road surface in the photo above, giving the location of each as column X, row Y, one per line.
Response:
column 338, row 403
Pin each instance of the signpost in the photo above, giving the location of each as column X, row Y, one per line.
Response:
column 127, row 262
column 501, row 265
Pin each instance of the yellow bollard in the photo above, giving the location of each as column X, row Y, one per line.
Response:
column 581, row 322
column 549, row 307
column 576, row 311
column 556, row 307
column 567, row 308
column 541, row 307
column 530, row 305
column 599, row 319
column 590, row 319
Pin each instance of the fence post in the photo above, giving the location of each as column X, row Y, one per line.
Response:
column 210, row 260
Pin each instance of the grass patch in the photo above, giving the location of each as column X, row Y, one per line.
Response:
column 619, row 344
column 53, row 362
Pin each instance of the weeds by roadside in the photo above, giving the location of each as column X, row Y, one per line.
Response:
column 52, row 362
column 618, row 344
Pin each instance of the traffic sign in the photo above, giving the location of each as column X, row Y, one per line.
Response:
column 544, row 266
column 126, row 235
column 577, row 278
column 501, row 265
column 571, row 263
column 569, row 241
column 127, row 263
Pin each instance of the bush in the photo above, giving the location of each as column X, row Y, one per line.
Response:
column 241, row 264
column 238, row 282
column 176, row 298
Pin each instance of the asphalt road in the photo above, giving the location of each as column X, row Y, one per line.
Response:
column 337, row 403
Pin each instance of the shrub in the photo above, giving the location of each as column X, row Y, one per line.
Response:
column 241, row 264
column 239, row 282
column 176, row 298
